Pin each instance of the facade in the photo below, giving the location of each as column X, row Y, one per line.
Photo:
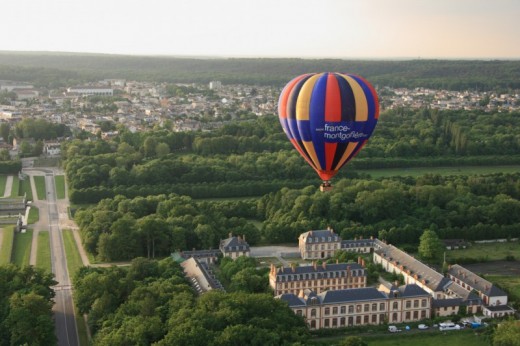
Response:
column 200, row 276
column 361, row 245
column 360, row 306
column 318, row 244
column 234, row 247
column 89, row 90
column 317, row 278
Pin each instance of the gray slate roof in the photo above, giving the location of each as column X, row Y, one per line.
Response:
column 321, row 236
column 232, row 244
column 475, row 281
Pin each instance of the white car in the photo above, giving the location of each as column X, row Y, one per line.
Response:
column 422, row 326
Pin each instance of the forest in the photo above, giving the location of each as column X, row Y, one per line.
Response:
column 64, row 69
column 147, row 186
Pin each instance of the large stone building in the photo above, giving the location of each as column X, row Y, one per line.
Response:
column 319, row 244
column 360, row 306
column 318, row 278
column 234, row 247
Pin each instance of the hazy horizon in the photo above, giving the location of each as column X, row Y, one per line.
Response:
column 307, row 29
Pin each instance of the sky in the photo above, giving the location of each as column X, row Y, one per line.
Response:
column 346, row 29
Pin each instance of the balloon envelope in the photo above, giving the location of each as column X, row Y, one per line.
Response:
column 328, row 117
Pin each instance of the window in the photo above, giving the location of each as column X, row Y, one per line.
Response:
column 358, row 308
column 415, row 314
column 367, row 307
column 381, row 306
column 423, row 314
column 313, row 313
column 298, row 312
column 351, row 309
column 374, row 318
column 358, row 319
column 343, row 310
column 395, row 306
column 416, row 303
column 313, row 324
column 374, row 307
column 394, row 316
column 408, row 304
column 334, row 322
column 365, row 319
column 334, row 310
column 342, row 321
column 407, row 315
column 327, row 323
column 423, row 303
column 327, row 311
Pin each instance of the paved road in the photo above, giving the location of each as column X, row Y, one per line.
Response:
column 63, row 309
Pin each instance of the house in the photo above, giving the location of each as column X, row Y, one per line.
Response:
column 455, row 244
column 317, row 278
column 359, row 306
column 52, row 149
column 234, row 247
column 319, row 244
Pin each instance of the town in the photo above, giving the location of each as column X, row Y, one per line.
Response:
column 139, row 105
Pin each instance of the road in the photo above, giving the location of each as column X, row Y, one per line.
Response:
column 50, row 215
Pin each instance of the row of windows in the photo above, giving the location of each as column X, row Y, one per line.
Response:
column 317, row 283
column 314, row 276
column 322, row 247
column 317, row 239
column 365, row 319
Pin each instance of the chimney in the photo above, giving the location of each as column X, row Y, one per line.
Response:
column 244, row 237
column 371, row 237
column 230, row 234
column 239, row 238
column 337, row 261
column 324, row 265
column 315, row 265
column 359, row 260
column 363, row 263
column 293, row 267
column 396, row 283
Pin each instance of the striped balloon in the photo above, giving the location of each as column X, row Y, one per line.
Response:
column 328, row 117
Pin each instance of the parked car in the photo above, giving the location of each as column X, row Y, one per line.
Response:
column 393, row 329
column 448, row 326
column 422, row 326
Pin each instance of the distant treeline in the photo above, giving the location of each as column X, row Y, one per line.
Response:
column 62, row 69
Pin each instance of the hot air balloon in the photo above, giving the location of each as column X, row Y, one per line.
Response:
column 328, row 117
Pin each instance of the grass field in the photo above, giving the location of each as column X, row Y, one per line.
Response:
column 43, row 256
column 3, row 180
column 419, row 171
column 34, row 215
column 22, row 248
column 7, row 245
column 15, row 191
column 25, row 188
column 423, row 338
column 486, row 252
column 60, row 186
column 39, row 181
column 71, row 251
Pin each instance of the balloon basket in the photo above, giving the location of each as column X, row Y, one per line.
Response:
column 325, row 187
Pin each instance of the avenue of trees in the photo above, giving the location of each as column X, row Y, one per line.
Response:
column 252, row 158
column 26, row 300
column 151, row 302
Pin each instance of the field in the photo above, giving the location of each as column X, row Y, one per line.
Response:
column 6, row 247
column 25, row 188
column 15, row 191
column 22, row 248
column 43, row 256
column 511, row 283
column 60, row 186
column 39, row 181
column 459, row 338
column 34, row 215
column 419, row 171
column 74, row 261
column 3, row 179
column 486, row 252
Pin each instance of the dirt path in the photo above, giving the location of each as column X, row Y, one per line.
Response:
column 8, row 186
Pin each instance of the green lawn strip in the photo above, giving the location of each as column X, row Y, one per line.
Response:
column 419, row 171
column 71, row 250
column 60, row 186
column 43, row 256
column 34, row 215
column 39, row 181
column 3, row 180
column 15, row 191
column 25, row 188
column 510, row 283
column 7, row 245
column 415, row 337
column 82, row 329
column 22, row 248
column 485, row 252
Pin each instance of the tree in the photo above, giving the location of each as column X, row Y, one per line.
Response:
column 162, row 149
column 507, row 334
column 5, row 129
column 430, row 246
column 352, row 341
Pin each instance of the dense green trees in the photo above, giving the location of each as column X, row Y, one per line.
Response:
column 430, row 246
column 151, row 302
column 26, row 306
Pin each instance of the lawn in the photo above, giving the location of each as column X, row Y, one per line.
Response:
column 486, row 252
column 7, row 245
column 423, row 338
column 74, row 261
column 419, row 171
column 39, row 181
column 22, row 248
column 34, row 215
column 3, row 180
column 15, row 191
column 43, row 256
column 25, row 188
column 60, row 186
